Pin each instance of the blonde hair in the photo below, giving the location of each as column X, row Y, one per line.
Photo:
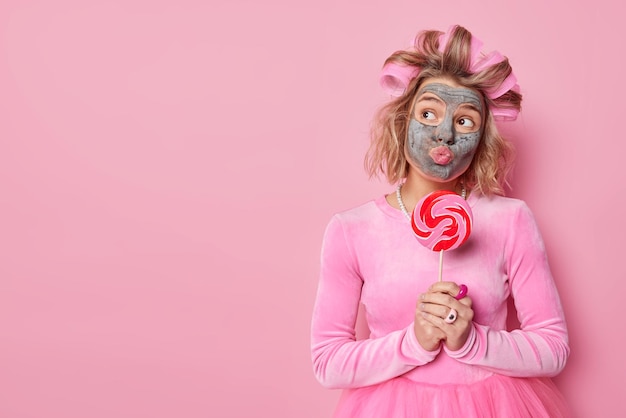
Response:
column 489, row 169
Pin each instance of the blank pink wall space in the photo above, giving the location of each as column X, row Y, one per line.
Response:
column 167, row 170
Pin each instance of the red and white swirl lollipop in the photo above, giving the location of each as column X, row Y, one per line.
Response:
column 442, row 220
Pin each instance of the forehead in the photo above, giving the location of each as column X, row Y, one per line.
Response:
column 451, row 95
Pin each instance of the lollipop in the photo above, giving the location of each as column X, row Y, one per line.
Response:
column 442, row 221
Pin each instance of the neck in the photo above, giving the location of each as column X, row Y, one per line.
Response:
column 416, row 187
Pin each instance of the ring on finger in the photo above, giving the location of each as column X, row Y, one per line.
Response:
column 462, row 292
column 451, row 316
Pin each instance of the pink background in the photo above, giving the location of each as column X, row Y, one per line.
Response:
column 168, row 167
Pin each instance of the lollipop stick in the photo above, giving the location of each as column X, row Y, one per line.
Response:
column 440, row 264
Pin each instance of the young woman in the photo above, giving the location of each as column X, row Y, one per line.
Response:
column 440, row 348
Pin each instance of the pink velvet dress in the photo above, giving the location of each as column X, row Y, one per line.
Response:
column 370, row 257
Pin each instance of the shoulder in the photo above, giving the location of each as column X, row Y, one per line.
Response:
column 362, row 218
column 346, row 228
column 500, row 206
column 506, row 217
column 359, row 213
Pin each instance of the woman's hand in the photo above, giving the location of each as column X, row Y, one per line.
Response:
column 436, row 305
column 428, row 335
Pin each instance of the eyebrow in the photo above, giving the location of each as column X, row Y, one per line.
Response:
column 430, row 98
column 470, row 106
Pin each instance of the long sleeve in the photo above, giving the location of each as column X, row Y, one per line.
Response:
column 339, row 360
column 540, row 347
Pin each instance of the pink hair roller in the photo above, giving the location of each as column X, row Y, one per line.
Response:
column 395, row 78
column 479, row 64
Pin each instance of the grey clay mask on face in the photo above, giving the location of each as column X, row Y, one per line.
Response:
column 442, row 148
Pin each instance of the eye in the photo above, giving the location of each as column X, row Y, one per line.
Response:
column 466, row 122
column 428, row 115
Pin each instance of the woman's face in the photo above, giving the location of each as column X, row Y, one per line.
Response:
column 445, row 129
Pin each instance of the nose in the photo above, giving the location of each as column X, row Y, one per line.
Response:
column 445, row 134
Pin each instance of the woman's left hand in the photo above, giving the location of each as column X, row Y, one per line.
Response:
column 438, row 303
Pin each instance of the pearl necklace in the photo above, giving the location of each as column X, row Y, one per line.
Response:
column 401, row 203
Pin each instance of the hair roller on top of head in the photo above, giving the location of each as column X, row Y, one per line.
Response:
column 398, row 73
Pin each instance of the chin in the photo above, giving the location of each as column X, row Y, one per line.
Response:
column 442, row 178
